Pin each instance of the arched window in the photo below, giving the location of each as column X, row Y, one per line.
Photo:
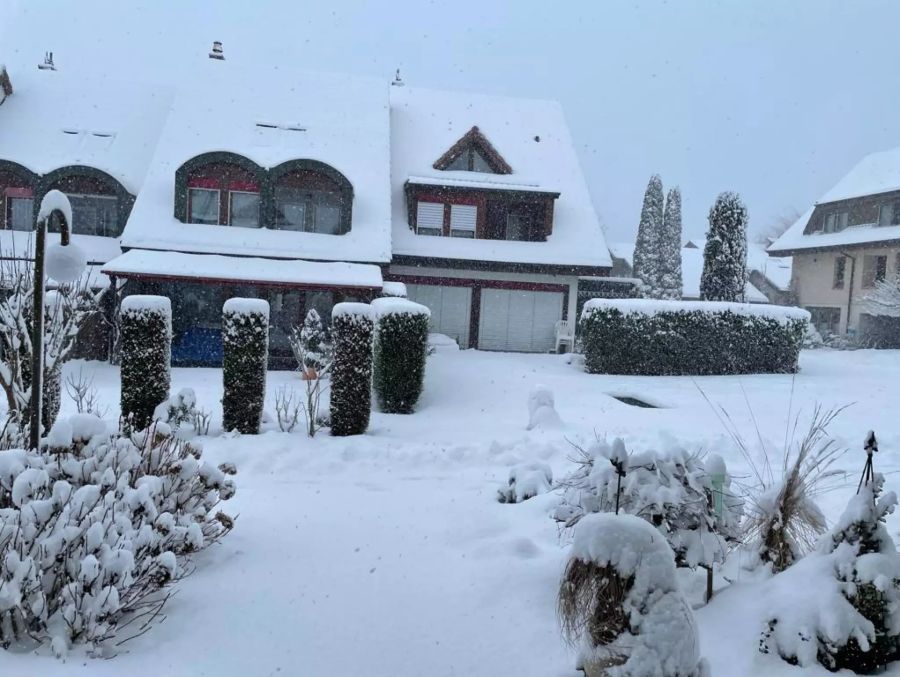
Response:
column 312, row 197
column 100, row 204
column 17, row 185
column 219, row 189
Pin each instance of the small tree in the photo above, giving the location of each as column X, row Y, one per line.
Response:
column 401, row 348
column 146, row 350
column 245, row 340
column 352, row 330
column 646, row 248
column 314, row 356
column 725, row 255
column 884, row 300
column 670, row 281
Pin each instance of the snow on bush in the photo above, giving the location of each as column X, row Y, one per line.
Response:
column 542, row 409
column 183, row 415
column 693, row 507
column 841, row 605
column 146, row 350
column 619, row 602
column 526, row 480
column 724, row 276
column 401, row 348
column 245, row 343
column 94, row 527
column 352, row 330
column 647, row 337
column 310, row 345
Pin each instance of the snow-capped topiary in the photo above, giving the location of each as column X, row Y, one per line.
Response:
column 401, row 348
column 619, row 603
column 245, row 343
column 693, row 507
column 94, row 526
column 725, row 254
column 542, row 409
column 352, row 330
column 526, row 480
column 145, row 345
column 670, row 277
column 843, row 605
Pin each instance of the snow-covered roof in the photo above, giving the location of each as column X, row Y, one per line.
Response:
column 214, row 268
column 623, row 250
column 60, row 118
column 271, row 115
column 530, row 135
column 875, row 173
column 794, row 238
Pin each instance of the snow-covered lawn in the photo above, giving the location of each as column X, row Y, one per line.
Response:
column 388, row 555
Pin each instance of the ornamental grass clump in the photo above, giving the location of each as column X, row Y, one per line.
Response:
column 401, row 349
column 245, row 342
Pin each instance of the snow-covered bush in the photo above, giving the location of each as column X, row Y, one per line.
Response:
column 310, row 346
column 314, row 354
column 645, row 337
column 94, row 527
column 401, row 347
column 183, row 415
column 841, row 605
column 619, row 603
column 146, row 351
column 245, row 343
column 724, row 276
column 352, row 330
column 526, row 480
column 691, row 505
column 542, row 409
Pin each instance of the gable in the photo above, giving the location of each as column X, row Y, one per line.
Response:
column 474, row 153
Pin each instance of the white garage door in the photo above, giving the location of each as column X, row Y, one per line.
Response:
column 450, row 308
column 519, row 320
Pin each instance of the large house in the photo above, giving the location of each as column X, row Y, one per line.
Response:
column 844, row 244
column 305, row 191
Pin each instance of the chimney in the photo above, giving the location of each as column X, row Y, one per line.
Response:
column 397, row 81
column 5, row 84
column 217, row 52
column 48, row 64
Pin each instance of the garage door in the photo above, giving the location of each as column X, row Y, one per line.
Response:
column 450, row 308
column 519, row 320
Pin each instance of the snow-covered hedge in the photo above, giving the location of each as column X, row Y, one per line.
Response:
column 687, row 498
column 245, row 343
column 352, row 330
column 146, row 351
column 619, row 602
column 401, row 348
column 648, row 337
column 94, row 526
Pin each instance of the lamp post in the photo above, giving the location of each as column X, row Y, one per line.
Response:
column 66, row 265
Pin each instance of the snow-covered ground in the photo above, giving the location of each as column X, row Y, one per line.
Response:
column 388, row 554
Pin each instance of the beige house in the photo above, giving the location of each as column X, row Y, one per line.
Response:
column 844, row 244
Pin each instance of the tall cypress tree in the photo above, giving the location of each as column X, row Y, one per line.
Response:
column 670, row 285
column 725, row 256
column 646, row 248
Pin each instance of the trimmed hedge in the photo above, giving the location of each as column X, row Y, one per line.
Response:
column 146, row 351
column 646, row 337
column 245, row 344
column 401, row 347
column 352, row 331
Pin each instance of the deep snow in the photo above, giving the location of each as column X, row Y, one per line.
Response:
column 388, row 554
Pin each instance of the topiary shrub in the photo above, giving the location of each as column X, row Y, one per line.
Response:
column 655, row 338
column 146, row 350
column 401, row 346
column 352, row 330
column 245, row 341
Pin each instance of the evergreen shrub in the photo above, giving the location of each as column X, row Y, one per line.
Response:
column 146, row 350
column 401, row 348
column 245, row 343
column 352, row 331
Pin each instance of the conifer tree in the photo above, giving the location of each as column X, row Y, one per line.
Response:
column 670, row 282
column 725, row 256
column 646, row 248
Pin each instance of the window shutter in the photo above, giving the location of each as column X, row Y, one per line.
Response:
column 429, row 215
column 463, row 217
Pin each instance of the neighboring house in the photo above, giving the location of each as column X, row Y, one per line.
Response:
column 844, row 244
column 234, row 184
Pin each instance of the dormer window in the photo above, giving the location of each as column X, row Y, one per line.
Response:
column 473, row 153
column 204, row 205
column 430, row 218
column 463, row 219
column 100, row 204
column 835, row 222
column 221, row 198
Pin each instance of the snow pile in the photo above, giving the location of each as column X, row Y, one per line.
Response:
column 90, row 532
column 650, row 307
column 398, row 306
column 841, row 605
column 139, row 303
column 395, row 289
column 526, row 480
column 691, row 505
column 245, row 306
column 542, row 409
column 638, row 622
column 55, row 200
column 65, row 264
column 351, row 308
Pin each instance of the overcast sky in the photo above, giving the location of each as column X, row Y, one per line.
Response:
column 774, row 99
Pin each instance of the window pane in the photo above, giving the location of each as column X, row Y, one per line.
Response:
column 94, row 215
column 517, row 226
column 479, row 164
column 874, row 269
column 895, row 213
column 245, row 210
column 829, row 223
column 327, row 213
column 430, row 231
column 20, row 213
column 290, row 208
column 842, row 220
column 430, row 216
column 885, row 215
column 455, row 232
column 204, row 205
column 463, row 217
column 840, row 264
column 460, row 163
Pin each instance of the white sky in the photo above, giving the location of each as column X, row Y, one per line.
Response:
column 773, row 99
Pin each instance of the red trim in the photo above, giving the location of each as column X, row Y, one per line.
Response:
column 19, row 192
column 445, row 199
column 201, row 182
column 226, row 280
column 244, row 186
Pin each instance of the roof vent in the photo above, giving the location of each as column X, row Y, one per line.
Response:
column 398, row 82
column 286, row 127
column 48, row 64
column 217, row 52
